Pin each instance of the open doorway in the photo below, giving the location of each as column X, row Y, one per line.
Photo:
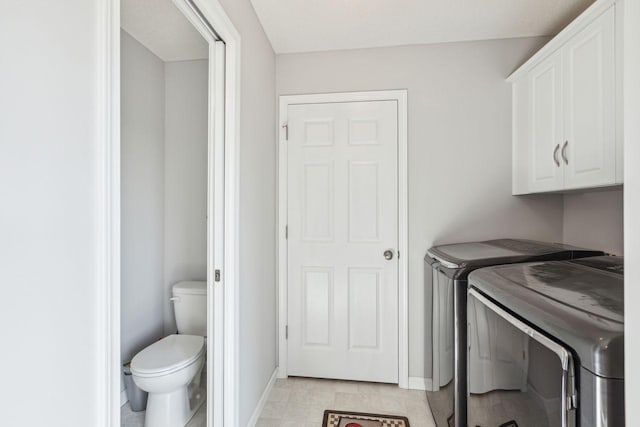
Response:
column 173, row 198
column 164, row 125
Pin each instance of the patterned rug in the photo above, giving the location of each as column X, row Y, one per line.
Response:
column 356, row 419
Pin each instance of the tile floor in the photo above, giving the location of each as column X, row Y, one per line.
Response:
column 302, row 402
column 136, row 419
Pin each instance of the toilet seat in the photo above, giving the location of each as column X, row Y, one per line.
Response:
column 170, row 354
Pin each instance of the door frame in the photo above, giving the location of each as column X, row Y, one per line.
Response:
column 400, row 96
column 222, row 400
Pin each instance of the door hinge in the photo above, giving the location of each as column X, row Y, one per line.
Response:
column 216, row 275
column 286, row 232
column 286, row 131
column 286, row 332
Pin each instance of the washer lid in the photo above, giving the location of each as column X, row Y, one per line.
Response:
column 190, row 288
column 580, row 303
column 457, row 260
column 167, row 355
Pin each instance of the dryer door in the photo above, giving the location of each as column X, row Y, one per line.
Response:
column 517, row 375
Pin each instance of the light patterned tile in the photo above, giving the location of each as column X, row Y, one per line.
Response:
column 304, row 412
column 313, row 396
column 387, row 405
column 353, row 402
column 279, row 395
column 346, row 386
column 199, row 418
column 266, row 422
column 273, row 410
column 128, row 418
column 307, row 399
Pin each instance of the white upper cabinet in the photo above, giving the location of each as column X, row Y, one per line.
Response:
column 589, row 149
column 565, row 102
column 545, row 95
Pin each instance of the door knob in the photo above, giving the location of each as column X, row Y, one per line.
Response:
column 388, row 254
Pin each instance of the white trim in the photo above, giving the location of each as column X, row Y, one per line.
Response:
column 108, row 208
column 586, row 17
column 123, row 397
column 419, row 383
column 215, row 350
column 403, row 218
column 263, row 399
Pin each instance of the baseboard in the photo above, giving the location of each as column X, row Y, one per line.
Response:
column 419, row 383
column 123, row 397
column 263, row 399
column 281, row 373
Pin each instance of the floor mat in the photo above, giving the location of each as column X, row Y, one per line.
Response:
column 357, row 419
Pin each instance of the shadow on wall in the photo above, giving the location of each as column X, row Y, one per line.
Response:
column 471, row 224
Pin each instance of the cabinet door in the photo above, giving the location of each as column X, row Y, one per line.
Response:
column 545, row 120
column 589, row 149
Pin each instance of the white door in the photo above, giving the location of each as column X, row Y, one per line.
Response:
column 342, row 217
column 498, row 352
column 545, row 86
column 589, row 104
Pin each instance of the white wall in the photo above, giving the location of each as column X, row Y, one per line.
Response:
column 185, row 178
column 594, row 220
column 257, row 356
column 142, row 196
column 632, row 207
column 459, row 145
column 48, row 239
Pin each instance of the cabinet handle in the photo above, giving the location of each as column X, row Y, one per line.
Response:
column 555, row 155
column 564, row 153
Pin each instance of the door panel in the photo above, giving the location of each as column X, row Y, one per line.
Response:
column 546, row 131
column 589, row 87
column 316, row 317
column 342, row 216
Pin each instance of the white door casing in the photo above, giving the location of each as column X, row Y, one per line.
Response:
column 205, row 16
column 342, row 303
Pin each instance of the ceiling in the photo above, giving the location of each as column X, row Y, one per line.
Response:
column 163, row 29
column 317, row 25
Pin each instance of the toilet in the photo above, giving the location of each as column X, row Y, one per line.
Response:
column 170, row 369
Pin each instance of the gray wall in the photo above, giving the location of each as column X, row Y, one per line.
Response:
column 257, row 356
column 185, row 179
column 459, row 145
column 142, row 197
column 50, row 158
column 595, row 220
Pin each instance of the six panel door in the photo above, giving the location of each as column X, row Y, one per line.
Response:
column 342, row 217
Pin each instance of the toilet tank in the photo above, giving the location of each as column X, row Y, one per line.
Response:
column 190, row 307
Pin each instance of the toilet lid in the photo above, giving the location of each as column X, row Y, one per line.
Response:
column 169, row 354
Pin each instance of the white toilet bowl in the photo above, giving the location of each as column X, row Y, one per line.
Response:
column 169, row 370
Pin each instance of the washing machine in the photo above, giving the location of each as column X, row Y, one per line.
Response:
column 447, row 268
column 546, row 344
